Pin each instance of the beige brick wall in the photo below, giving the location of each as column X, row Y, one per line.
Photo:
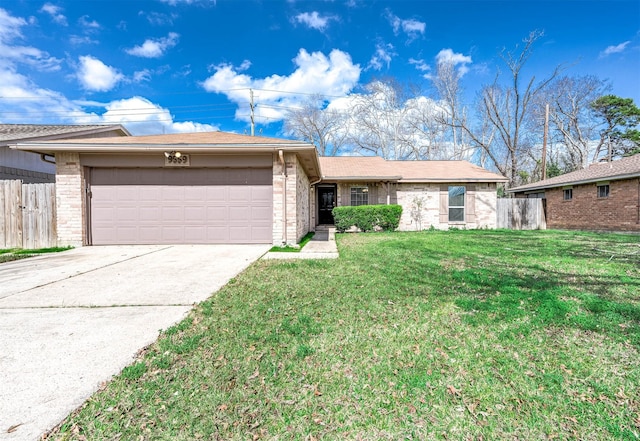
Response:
column 420, row 206
column 618, row 212
column 486, row 203
column 70, row 201
column 290, row 191
column 303, row 204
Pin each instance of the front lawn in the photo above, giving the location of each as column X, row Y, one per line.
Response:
column 477, row 335
column 11, row 254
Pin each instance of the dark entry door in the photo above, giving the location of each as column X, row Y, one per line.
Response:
column 326, row 202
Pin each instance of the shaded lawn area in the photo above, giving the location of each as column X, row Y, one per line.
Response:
column 430, row 335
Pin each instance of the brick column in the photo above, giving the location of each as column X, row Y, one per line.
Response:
column 70, row 201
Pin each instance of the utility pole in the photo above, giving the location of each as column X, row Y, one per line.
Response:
column 544, row 142
column 253, row 124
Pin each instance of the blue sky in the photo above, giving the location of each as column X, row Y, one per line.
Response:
column 162, row 66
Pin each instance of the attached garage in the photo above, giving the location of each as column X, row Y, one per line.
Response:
column 180, row 205
column 181, row 188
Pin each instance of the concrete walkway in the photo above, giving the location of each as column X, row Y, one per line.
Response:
column 321, row 246
column 72, row 320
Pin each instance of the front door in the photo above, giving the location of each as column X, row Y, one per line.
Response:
column 326, row 202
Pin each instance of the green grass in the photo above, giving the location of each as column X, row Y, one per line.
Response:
column 459, row 335
column 10, row 254
column 297, row 249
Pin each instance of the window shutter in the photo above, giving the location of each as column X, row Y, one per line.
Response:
column 444, row 204
column 393, row 188
column 373, row 194
column 471, row 204
column 346, row 195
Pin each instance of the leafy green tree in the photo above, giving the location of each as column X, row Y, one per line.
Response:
column 621, row 118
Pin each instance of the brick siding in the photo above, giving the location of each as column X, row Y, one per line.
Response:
column 70, row 201
column 618, row 212
column 295, row 187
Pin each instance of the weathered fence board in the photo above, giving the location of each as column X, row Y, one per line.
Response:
column 27, row 215
column 38, row 215
column 521, row 214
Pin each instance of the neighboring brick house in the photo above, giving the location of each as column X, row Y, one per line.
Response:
column 32, row 168
column 604, row 196
column 220, row 187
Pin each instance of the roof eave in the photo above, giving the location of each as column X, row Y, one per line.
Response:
column 51, row 148
column 470, row 180
column 579, row 182
column 308, row 151
column 361, row 178
column 67, row 135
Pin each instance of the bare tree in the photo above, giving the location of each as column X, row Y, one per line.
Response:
column 381, row 121
column 503, row 109
column 446, row 81
column 428, row 130
column 572, row 123
column 325, row 128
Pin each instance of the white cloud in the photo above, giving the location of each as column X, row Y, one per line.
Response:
column 96, row 76
column 55, row 13
column 420, row 65
column 382, row 57
column 155, row 48
column 11, row 54
column 89, row 25
column 614, row 49
column 411, row 27
column 81, row 39
column 158, row 19
column 10, row 26
column 142, row 75
column 142, row 117
column 23, row 101
column 459, row 60
column 314, row 20
column 315, row 73
column 187, row 2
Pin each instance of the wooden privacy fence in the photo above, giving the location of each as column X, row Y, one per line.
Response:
column 521, row 214
column 27, row 215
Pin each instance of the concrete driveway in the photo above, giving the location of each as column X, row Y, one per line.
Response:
column 70, row 321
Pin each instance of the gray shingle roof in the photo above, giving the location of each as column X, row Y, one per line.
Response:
column 624, row 168
column 27, row 132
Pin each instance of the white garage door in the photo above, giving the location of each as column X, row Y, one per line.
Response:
column 180, row 206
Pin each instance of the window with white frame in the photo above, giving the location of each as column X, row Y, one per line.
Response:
column 603, row 190
column 456, row 203
column 359, row 196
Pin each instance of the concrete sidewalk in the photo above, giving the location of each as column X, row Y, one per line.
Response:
column 70, row 321
column 321, row 246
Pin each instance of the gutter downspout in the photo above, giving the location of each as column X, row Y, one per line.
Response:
column 284, row 196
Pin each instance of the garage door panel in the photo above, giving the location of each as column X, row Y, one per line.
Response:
column 239, row 214
column 149, row 234
column 172, row 214
column 131, row 206
column 149, row 214
column 264, row 214
column 126, row 214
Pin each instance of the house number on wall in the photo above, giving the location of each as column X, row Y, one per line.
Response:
column 175, row 160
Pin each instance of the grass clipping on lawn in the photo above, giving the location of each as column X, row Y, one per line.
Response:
column 430, row 335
